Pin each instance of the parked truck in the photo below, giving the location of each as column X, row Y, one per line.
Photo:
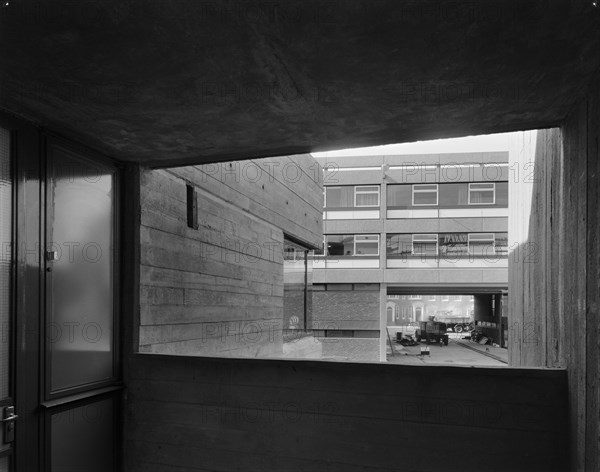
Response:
column 457, row 324
column 432, row 331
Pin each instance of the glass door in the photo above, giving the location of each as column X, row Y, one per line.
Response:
column 81, row 381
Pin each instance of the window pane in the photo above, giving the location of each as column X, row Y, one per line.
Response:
column 340, row 245
column 454, row 195
column 481, row 193
column 339, row 197
column 453, row 244
column 80, row 319
column 425, row 194
column 425, row 237
column 6, row 227
column 367, row 199
column 428, row 249
column 481, row 237
column 367, row 248
column 482, row 244
column 502, row 243
column 367, row 244
column 482, row 249
column 482, row 197
column 398, row 244
column 425, row 187
column 364, row 188
column 425, row 244
column 502, row 194
column 294, row 272
column 425, row 198
column 399, row 196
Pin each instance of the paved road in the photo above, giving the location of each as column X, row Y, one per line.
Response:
column 453, row 354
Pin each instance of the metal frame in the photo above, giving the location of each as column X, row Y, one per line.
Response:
column 437, row 243
column 493, row 239
column 368, row 242
column 102, row 162
column 416, row 190
column 370, row 192
column 493, row 190
column 10, row 127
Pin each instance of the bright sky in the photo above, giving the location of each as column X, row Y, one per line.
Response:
column 481, row 143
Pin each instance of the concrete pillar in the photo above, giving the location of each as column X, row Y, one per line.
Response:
column 383, row 338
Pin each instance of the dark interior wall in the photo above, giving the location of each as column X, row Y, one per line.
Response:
column 486, row 311
column 200, row 414
column 553, row 293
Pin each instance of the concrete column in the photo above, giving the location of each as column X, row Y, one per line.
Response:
column 383, row 339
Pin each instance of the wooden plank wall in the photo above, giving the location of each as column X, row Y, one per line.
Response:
column 201, row 414
column 218, row 289
column 554, row 300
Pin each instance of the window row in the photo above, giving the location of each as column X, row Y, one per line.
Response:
column 447, row 245
column 352, row 245
column 404, row 196
column 433, row 298
column 360, row 196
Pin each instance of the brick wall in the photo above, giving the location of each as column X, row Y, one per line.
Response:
column 356, row 309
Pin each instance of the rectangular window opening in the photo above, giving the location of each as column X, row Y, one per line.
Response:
column 192, row 207
column 482, row 193
column 366, row 196
column 425, row 194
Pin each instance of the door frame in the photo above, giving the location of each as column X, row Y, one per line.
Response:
column 15, row 129
column 112, row 388
column 29, row 152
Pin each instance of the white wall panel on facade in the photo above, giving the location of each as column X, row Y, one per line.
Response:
column 412, row 263
column 346, row 263
column 413, row 213
column 351, row 215
column 473, row 212
column 472, row 264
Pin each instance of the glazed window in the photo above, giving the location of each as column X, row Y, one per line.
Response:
column 425, row 194
column 482, row 244
column 339, row 197
column 366, row 245
column 366, row 196
column 482, row 194
column 425, row 244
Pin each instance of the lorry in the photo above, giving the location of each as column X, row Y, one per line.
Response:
column 432, row 331
column 457, row 324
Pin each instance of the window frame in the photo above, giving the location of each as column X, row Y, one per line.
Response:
column 437, row 244
column 437, row 194
column 357, row 192
column 367, row 235
column 493, row 240
column 493, row 190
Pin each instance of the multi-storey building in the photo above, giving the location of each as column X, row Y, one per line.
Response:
column 405, row 236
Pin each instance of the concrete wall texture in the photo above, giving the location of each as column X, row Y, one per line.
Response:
column 218, row 289
column 554, row 271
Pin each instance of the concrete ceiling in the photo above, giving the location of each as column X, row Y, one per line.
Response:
column 170, row 82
